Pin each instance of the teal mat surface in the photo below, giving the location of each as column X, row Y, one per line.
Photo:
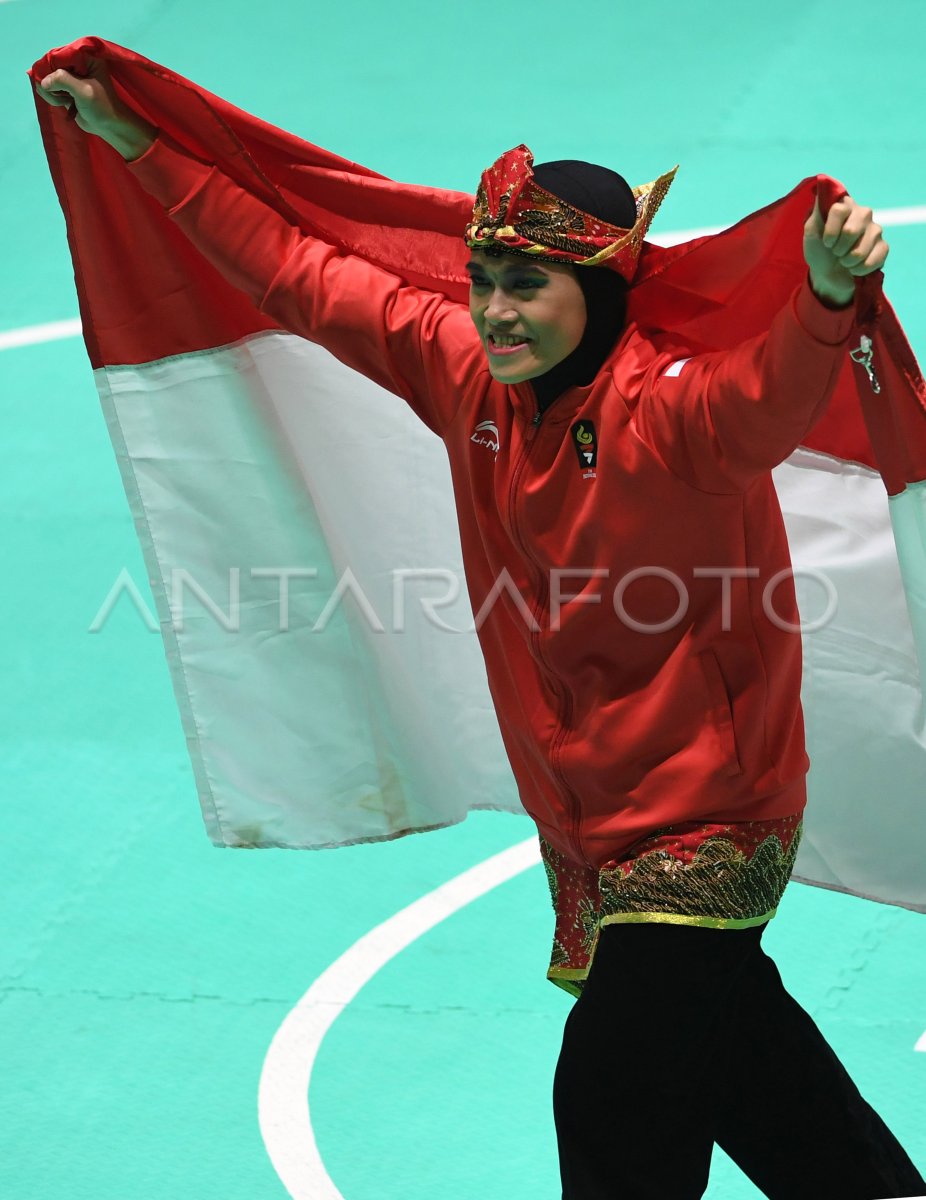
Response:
column 143, row 973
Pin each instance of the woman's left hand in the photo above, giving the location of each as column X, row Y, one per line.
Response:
column 847, row 245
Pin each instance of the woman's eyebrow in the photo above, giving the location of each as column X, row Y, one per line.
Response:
column 509, row 269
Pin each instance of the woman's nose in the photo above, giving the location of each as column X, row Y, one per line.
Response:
column 500, row 308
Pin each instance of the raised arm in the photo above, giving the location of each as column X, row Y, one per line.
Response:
column 719, row 420
column 411, row 341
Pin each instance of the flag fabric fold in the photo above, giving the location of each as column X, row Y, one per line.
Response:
column 298, row 526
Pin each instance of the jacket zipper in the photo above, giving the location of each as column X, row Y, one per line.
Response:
column 560, row 690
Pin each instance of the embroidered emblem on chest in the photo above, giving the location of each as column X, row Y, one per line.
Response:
column 586, row 443
column 486, row 434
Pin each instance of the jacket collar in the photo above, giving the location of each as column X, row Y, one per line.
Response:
column 631, row 351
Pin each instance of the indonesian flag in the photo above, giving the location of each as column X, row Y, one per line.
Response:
column 296, row 519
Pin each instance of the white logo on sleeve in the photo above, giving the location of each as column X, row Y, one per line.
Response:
column 486, row 434
column 676, row 367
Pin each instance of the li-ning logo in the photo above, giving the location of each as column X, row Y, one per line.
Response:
column 486, row 434
column 586, row 444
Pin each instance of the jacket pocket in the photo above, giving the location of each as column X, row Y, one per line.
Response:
column 721, row 711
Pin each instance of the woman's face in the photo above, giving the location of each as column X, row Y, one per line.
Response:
column 529, row 316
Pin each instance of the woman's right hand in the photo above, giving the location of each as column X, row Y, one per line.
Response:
column 92, row 102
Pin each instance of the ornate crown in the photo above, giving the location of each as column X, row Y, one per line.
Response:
column 514, row 214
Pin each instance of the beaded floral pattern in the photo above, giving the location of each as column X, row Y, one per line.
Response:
column 722, row 876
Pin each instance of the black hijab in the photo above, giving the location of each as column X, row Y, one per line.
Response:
column 602, row 193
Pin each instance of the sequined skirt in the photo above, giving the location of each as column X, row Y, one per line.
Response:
column 722, row 876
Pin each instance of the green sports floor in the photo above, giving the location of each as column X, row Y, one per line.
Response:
column 145, row 975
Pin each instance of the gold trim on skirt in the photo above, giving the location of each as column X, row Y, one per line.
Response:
column 729, row 876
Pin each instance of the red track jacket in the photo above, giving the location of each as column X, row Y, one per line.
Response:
column 625, row 554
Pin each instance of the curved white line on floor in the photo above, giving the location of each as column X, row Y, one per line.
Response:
column 54, row 331
column 283, row 1095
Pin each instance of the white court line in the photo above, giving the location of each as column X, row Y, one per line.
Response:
column 283, row 1094
column 910, row 215
column 54, row 331
column 28, row 335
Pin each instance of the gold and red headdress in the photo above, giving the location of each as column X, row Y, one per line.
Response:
column 513, row 213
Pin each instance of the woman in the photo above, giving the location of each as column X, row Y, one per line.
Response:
column 652, row 717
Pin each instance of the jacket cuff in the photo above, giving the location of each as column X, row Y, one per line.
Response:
column 828, row 325
column 169, row 173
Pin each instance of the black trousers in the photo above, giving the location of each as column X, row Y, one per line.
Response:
column 685, row 1036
